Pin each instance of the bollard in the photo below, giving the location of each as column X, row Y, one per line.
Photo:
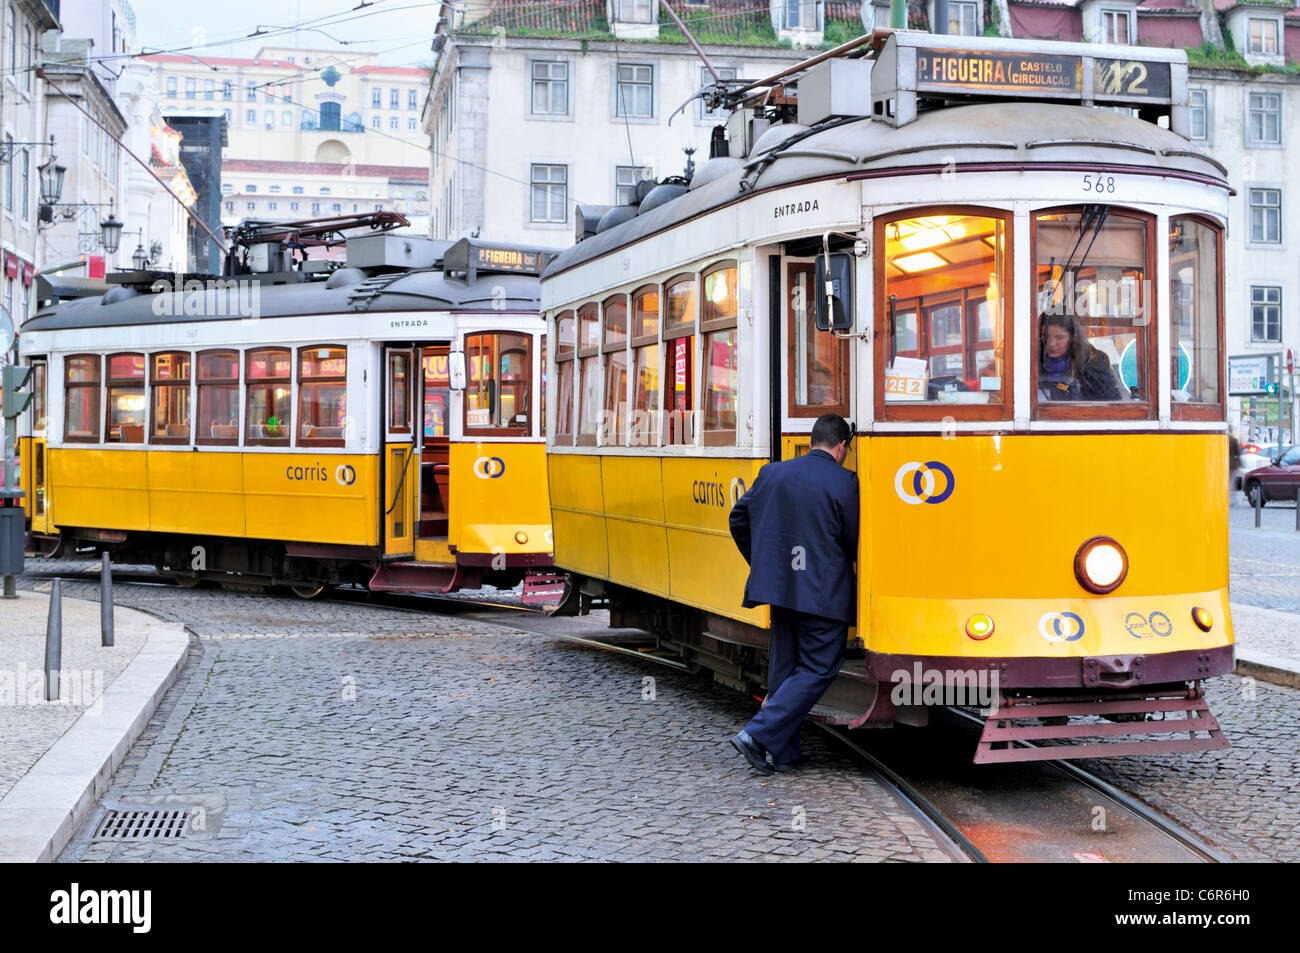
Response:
column 1297, row 509
column 54, row 642
column 1259, row 505
column 105, row 604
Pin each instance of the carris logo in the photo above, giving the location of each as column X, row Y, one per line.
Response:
column 1060, row 626
column 345, row 474
column 921, row 488
column 738, row 489
column 489, row 468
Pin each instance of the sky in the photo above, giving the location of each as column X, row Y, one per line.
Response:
column 399, row 30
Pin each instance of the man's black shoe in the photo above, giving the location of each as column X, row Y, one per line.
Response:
column 752, row 751
column 794, row 765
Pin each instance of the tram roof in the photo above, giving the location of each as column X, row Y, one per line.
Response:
column 347, row 290
column 1026, row 136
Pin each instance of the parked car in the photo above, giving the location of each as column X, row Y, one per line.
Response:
column 1280, row 480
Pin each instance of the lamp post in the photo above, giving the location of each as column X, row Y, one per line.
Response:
column 51, row 174
column 110, row 233
column 140, row 258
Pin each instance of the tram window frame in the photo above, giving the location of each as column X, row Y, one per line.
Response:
column 201, row 383
column 40, row 407
column 711, row 327
column 112, row 384
column 250, row 382
column 794, row 409
column 1000, row 410
column 639, row 344
column 672, row 333
column 95, row 387
column 1133, row 409
column 158, row 385
column 494, row 430
column 613, row 346
column 588, row 358
column 566, row 367
column 305, row 383
column 1191, row 409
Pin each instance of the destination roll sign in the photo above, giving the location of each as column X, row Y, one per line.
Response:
column 982, row 71
column 472, row 257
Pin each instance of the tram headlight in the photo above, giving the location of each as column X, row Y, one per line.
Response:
column 1204, row 621
column 1100, row 565
column 979, row 626
column 521, row 537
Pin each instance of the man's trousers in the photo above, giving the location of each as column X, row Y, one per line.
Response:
column 805, row 655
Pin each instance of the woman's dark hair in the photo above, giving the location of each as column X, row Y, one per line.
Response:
column 1078, row 352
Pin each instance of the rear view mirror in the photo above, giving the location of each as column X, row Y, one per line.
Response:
column 456, row 370
column 834, row 292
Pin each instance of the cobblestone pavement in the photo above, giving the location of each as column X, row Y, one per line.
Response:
column 438, row 738
column 1265, row 562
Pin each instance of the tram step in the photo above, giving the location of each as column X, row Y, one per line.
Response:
column 543, row 588
column 1004, row 728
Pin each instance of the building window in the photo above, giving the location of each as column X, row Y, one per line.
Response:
column 251, row 206
column 635, row 11
column 250, row 117
column 230, row 206
column 394, row 99
column 324, row 190
column 269, row 118
column 227, row 90
column 227, row 188
column 270, row 206
column 412, row 99
column 9, row 175
column 225, row 113
column 1266, row 215
column 189, row 87
column 250, row 188
column 376, row 98
column 330, row 115
column 635, row 93
column 392, row 122
column 293, row 206
column 1264, row 121
column 171, row 86
column 315, row 208
column 963, row 19
column 25, row 187
column 550, row 88
column 625, row 179
column 274, row 190
column 410, row 125
column 336, row 207
column 376, row 122
column 1116, row 27
column 1198, row 114
column 252, row 92
column 1263, row 36
column 1266, row 313
column 724, row 72
column 297, row 190
column 209, row 89
column 799, row 15
column 550, row 201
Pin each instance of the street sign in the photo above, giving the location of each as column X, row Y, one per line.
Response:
column 1251, row 375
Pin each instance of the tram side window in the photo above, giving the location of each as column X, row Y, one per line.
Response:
column 818, row 362
column 38, row 396
column 126, row 403
column 645, row 367
column 718, row 324
column 322, row 395
column 170, row 377
column 1094, row 303
column 944, row 316
column 218, row 398
column 614, row 419
column 270, row 396
column 565, row 351
column 1195, row 312
column 679, row 353
column 588, row 374
column 500, row 376
column 81, row 398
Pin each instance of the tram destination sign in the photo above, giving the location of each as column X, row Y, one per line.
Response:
column 468, row 256
column 1000, row 73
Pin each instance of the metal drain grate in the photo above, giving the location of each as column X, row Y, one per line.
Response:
column 140, row 825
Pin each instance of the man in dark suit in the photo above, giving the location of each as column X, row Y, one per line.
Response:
column 797, row 527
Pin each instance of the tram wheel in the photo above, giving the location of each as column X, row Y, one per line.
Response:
column 186, row 580
column 308, row 591
column 1255, row 494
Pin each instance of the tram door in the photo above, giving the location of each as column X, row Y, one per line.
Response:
column 435, row 456
column 401, row 452
column 817, row 366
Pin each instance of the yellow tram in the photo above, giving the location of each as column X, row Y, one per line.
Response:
column 905, row 233
column 377, row 420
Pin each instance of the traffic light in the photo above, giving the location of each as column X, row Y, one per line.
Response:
column 15, row 378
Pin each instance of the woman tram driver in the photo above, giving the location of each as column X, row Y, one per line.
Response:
column 1069, row 368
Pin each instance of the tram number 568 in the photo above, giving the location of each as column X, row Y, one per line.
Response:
column 1100, row 183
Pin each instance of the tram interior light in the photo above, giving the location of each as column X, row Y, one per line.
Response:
column 944, row 234
column 923, row 261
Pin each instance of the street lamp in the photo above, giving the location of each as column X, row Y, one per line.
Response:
column 110, row 233
column 140, row 258
column 51, row 180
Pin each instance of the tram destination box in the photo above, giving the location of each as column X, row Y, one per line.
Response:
column 913, row 68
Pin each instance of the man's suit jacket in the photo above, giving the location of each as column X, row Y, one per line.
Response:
column 797, row 527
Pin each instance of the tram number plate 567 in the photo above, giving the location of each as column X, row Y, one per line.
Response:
column 1099, row 183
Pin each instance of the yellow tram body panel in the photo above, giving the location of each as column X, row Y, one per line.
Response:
column 499, row 491
column 656, row 524
column 290, row 496
column 1003, row 543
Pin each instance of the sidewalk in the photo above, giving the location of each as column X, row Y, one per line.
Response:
column 56, row 758
column 1268, row 644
